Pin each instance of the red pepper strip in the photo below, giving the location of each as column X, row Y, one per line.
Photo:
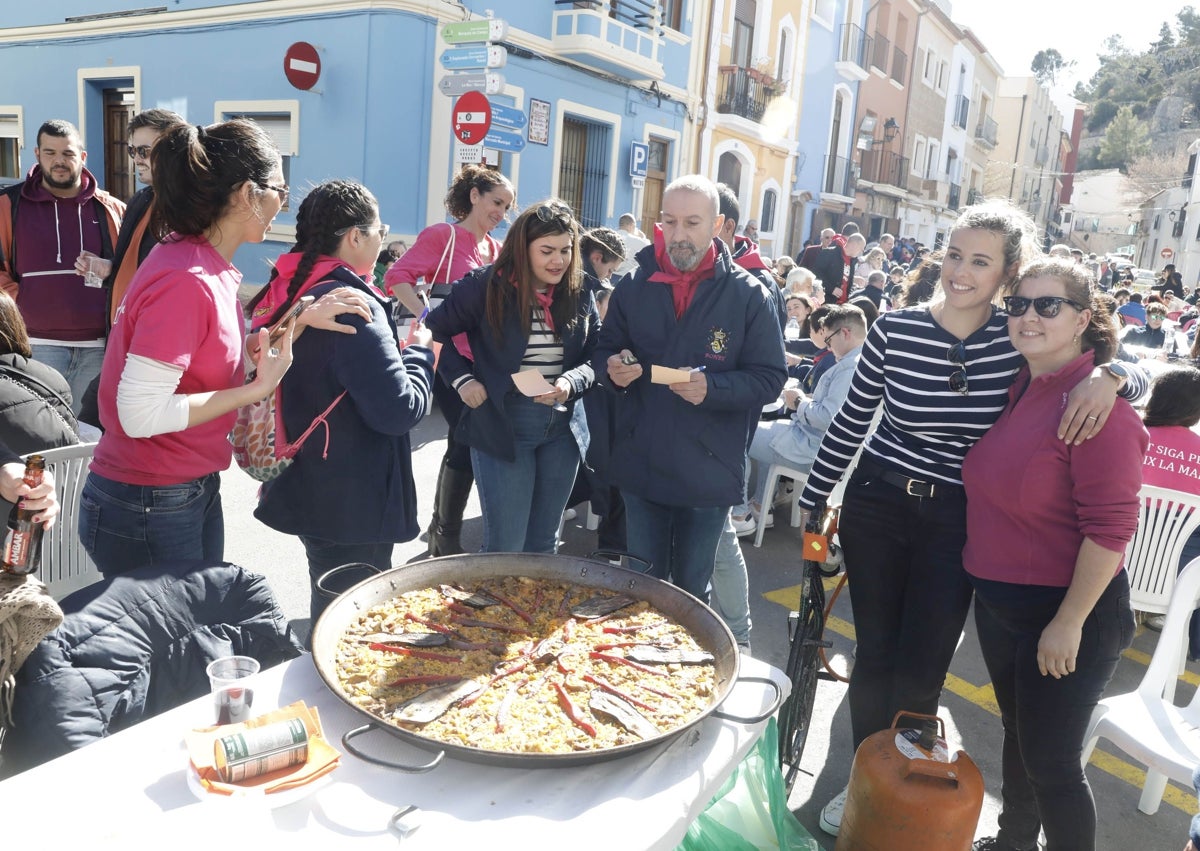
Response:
column 416, row 654
column 563, row 604
column 537, row 599
column 562, row 666
column 455, row 606
column 573, row 713
column 609, row 687
column 485, row 625
column 659, row 692
column 521, row 613
column 427, row 678
column 434, row 626
column 618, row 645
column 518, row 665
column 633, row 628
column 617, row 659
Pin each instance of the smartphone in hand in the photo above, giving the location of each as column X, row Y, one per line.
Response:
column 277, row 330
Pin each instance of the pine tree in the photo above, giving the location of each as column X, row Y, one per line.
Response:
column 1125, row 140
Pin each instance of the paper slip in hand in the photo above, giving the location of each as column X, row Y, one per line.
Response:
column 667, row 375
column 532, row 383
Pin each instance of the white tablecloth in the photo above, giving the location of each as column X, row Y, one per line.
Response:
column 129, row 790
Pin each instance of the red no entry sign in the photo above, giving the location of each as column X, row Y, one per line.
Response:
column 471, row 118
column 302, row 65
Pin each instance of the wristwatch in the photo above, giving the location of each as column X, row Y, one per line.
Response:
column 1117, row 370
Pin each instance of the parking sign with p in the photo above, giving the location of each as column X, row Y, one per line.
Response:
column 639, row 159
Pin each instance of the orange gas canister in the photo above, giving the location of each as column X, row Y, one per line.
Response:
column 907, row 793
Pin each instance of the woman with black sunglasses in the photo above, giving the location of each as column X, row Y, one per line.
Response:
column 1047, row 527
column 941, row 372
column 528, row 311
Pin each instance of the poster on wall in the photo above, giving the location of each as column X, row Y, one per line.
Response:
column 539, row 122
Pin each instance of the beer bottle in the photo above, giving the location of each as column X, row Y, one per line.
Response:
column 23, row 538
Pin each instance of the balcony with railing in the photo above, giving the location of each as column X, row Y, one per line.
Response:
column 621, row 37
column 854, row 53
column 879, row 166
column 962, row 106
column 839, row 174
column 986, row 131
column 954, row 200
column 879, row 51
column 744, row 91
column 899, row 64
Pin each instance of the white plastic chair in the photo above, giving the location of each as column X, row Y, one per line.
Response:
column 774, row 472
column 66, row 566
column 1167, row 518
column 1146, row 724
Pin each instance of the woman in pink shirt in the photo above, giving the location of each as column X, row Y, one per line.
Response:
column 479, row 199
column 1047, row 526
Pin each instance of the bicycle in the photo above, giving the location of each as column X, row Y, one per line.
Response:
column 806, row 627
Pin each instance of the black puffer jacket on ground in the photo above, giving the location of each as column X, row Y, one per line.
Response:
column 136, row 645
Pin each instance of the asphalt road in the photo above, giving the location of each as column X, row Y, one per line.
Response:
column 968, row 706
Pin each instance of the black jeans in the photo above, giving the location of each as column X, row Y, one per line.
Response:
column 909, row 594
column 458, row 455
column 1046, row 719
column 324, row 556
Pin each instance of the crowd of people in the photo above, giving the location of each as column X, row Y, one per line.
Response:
column 986, row 384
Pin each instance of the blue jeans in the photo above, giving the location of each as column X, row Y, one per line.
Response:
column 523, row 499
column 731, row 585
column 123, row 527
column 78, row 364
column 762, row 456
column 679, row 542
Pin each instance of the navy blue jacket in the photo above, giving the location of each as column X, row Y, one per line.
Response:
column 486, row 428
column 363, row 492
column 665, row 449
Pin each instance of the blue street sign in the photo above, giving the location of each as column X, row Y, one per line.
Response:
column 514, row 143
column 508, row 116
column 639, row 159
column 475, row 57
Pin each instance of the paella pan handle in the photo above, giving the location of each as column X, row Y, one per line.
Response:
column 619, row 554
column 411, row 769
column 329, row 574
column 775, row 702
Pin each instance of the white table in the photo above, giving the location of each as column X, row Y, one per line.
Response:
column 129, row 791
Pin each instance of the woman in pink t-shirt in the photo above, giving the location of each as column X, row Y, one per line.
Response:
column 478, row 199
column 172, row 378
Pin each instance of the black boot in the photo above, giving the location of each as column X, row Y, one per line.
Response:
column 453, row 490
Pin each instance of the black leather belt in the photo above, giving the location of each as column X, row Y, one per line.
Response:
column 913, row 487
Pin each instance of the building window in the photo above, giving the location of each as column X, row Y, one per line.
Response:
column 729, row 172
column 824, row 10
column 918, row 160
column 10, row 146
column 672, row 13
column 743, row 32
column 280, row 120
column 583, row 172
column 767, row 224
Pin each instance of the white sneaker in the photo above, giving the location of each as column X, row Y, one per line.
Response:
column 745, row 525
column 831, row 813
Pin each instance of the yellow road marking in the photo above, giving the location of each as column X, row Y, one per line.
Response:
column 985, row 698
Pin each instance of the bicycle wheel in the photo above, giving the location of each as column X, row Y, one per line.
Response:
column 802, row 669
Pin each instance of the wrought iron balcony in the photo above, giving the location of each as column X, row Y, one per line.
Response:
column 839, row 172
column 962, row 106
column 620, row 37
column 955, row 198
column 879, row 51
column 899, row 64
column 855, row 52
column 744, row 91
column 986, row 130
column 879, row 166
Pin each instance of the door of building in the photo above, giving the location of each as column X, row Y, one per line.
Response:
column 120, row 178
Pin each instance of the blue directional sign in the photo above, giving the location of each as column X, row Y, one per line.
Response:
column 475, row 57
column 508, row 116
column 514, row 143
column 639, row 159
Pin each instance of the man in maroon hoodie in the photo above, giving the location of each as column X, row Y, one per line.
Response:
column 46, row 222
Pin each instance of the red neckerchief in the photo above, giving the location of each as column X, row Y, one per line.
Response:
column 683, row 284
column 277, row 294
column 545, row 300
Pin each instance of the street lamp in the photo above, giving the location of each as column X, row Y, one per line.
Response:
column 890, row 129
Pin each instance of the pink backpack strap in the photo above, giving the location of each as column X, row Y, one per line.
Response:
column 289, row 450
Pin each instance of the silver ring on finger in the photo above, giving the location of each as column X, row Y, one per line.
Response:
column 1092, row 417
column 273, row 352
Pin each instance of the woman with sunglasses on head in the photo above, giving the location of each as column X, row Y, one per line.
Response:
column 173, row 375
column 349, row 495
column 479, row 199
column 527, row 311
column 941, row 372
column 1047, row 527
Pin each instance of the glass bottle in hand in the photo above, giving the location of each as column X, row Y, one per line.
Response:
column 23, row 538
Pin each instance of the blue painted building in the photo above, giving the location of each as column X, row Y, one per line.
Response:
column 591, row 78
column 835, row 63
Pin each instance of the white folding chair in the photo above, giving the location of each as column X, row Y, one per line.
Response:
column 66, row 566
column 1145, row 723
column 1167, row 518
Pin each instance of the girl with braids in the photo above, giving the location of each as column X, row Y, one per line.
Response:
column 173, row 373
column 349, row 495
column 529, row 310
column 1047, row 527
column 479, row 199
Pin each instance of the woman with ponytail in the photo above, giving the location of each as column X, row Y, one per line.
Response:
column 173, row 374
column 527, row 311
column 349, row 495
